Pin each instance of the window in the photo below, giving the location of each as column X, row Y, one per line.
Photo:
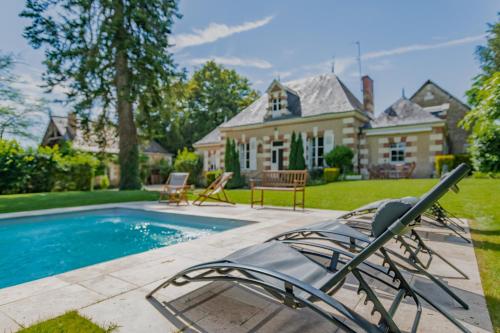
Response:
column 245, row 156
column 397, row 151
column 316, row 151
column 276, row 104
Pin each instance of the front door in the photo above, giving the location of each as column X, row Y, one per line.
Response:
column 277, row 156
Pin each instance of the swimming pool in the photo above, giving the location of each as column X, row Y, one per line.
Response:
column 36, row 247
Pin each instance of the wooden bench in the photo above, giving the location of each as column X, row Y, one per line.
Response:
column 282, row 180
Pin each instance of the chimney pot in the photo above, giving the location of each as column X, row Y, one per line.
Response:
column 368, row 103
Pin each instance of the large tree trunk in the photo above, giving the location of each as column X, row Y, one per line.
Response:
column 129, row 150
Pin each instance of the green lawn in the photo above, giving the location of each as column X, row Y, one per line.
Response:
column 70, row 322
column 23, row 202
column 478, row 200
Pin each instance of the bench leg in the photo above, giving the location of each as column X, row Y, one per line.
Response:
column 294, row 199
column 262, row 198
column 251, row 198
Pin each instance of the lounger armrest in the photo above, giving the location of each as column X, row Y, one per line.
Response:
column 337, row 233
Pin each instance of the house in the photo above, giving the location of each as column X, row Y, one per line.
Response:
column 326, row 113
column 61, row 129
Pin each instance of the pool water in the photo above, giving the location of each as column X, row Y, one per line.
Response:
column 35, row 247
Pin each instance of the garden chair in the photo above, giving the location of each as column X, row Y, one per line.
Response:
column 175, row 189
column 300, row 273
column 215, row 190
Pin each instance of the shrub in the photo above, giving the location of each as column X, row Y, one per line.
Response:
column 232, row 164
column 296, row 158
column 13, row 174
column 104, row 184
column 187, row 161
column 165, row 169
column 331, row 174
column 444, row 163
column 486, row 175
column 77, row 172
column 340, row 157
column 211, row 176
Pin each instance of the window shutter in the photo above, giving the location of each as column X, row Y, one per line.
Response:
column 242, row 156
column 328, row 141
column 304, row 144
column 217, row 159
column 205, row 160
column 253, row 154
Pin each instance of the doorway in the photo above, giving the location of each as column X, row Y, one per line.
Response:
column 277, row 151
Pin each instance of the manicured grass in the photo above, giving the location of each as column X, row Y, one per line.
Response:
column 70, row 322
column 33, row 201
column 478, row 200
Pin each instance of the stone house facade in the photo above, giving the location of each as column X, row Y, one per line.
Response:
column 325, row 113
column 60, row 129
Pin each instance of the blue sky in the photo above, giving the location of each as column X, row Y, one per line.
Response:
column 403, row 43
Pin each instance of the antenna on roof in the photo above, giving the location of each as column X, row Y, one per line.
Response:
column 333, row 64
column 359, row 64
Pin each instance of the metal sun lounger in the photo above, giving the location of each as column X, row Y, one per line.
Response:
column 291, row 271
column 350, row 238
column 436, row 215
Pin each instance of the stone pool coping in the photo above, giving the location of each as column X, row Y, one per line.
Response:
column 113, row 291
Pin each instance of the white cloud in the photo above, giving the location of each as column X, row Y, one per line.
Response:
column 233, row 61
column 214, row 32
column 342, row 64
column 421, row 47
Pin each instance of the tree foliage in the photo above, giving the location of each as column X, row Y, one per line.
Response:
column 106, row 53
column 340, row 157
column 191, row 108
column 17, row 114
column 232, row 164
column 484, row 96
column 296, row 159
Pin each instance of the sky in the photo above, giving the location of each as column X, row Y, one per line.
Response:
column 402, row 43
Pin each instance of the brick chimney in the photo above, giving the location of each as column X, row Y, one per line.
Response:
column 368, row 94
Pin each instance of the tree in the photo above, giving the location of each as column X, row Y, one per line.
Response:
column 17, row 115
column 106, row 54
column 292, row 158
column 484, row 96
column 296, row 158
column 232, row 164
column 214, row 95
column 340, row 157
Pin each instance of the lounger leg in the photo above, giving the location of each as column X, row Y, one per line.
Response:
column 251, row 198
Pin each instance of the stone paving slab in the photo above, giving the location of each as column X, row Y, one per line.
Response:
column 114, row 292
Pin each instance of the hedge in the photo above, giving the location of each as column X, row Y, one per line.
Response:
column 44, row 169
column 187, row 161
column 331, row 174
column 444, row 160
column 211, row 176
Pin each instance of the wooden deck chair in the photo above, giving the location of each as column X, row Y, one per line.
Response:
column 175, row 189
column 216, row 190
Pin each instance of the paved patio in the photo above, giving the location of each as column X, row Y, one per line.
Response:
column 113, row 292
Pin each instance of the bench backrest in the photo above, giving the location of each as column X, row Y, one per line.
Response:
column 284, row 178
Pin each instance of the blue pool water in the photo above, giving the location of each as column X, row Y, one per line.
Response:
column 36, row 247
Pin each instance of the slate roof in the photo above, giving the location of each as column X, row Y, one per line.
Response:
column 211, row 138
column 318, row 95
column 403, row 112
column 155, row 147
column 446, row 92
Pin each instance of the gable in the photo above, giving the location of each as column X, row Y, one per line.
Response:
column 431, row 95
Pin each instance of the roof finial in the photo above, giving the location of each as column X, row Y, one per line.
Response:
column 333, row 64
column 403, row 93
column 279, row 78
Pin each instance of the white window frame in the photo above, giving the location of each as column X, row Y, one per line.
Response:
column 276, row 103
column 245, row 156
column 397, row 152
column 317, row 152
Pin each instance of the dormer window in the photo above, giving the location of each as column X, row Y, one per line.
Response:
column 276, row 104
